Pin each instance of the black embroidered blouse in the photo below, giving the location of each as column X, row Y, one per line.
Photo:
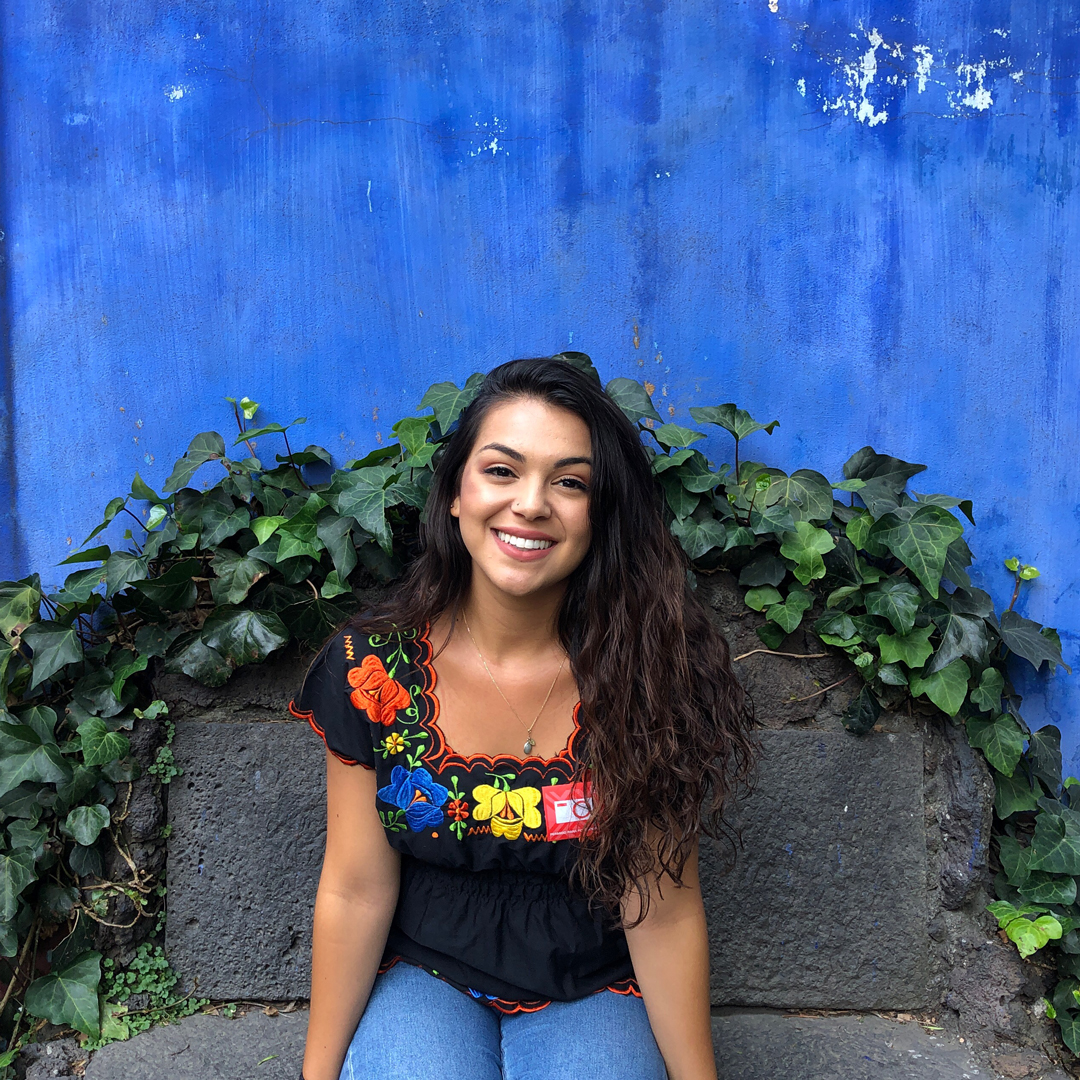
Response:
column 486, row 843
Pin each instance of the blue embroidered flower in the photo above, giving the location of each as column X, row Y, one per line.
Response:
column 417, row 794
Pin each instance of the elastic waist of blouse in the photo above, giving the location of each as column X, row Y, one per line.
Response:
column 496, row 882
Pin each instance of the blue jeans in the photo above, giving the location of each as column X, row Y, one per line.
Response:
column 417, row 1027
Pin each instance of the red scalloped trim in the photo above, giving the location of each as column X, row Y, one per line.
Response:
column 442, row 755
column 625, row 987
column 310, row 718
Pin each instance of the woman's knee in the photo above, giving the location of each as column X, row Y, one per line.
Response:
column 599, row 1037
column 417, row 1027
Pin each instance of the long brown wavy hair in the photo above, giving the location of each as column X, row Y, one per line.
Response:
column 666, row 723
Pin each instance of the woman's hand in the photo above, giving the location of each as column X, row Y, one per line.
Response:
column 670, row 952
column 358, row 891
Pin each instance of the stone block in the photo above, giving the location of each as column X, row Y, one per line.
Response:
column 248, row 822
column 826, row 906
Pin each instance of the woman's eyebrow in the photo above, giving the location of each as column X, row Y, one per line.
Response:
column 518, row 456
column 563, row 462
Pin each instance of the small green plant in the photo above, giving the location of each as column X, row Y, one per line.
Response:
column 164, row 766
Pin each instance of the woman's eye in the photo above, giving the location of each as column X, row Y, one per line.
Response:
column 498, row 470
column 572, row 482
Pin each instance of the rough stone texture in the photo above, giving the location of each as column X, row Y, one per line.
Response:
column 249, row 819
column 826, row 906
column 47, row 1060
column 750, row 1045
column 203, row 1047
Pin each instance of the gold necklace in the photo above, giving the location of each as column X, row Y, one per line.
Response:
column 529, row 743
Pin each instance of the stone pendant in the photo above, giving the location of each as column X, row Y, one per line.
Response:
column 529, row 745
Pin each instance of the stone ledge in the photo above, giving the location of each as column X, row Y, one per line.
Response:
column 826, row 907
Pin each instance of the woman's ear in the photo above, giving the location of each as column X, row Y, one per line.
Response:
column 455, row 506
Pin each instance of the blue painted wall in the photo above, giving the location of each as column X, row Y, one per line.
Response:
column 860, row 218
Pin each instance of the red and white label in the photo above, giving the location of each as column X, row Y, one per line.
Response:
column 567, row 808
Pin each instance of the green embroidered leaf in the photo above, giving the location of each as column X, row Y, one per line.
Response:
column 897, row 601
column 731, row 418
column 920, row 542
column 913, row 648
column 69, row 996
column 633, row 399
column 946, row 688
column 447, row 401
column 1000, row 739
column 804, row 547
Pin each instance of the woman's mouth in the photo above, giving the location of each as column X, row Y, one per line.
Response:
column 521, row 547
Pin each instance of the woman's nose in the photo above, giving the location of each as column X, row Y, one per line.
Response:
column 532, row 500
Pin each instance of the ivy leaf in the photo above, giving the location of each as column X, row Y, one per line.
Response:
column 412, row 433
column 892, row 675
column 1070, row 1031
column 333, row 586
column 1044, row 756
column 155, row 639
column 84, row 823
column 266, row 429
column 672, row 435
column 16, row 872
column 54, row 645
column 633, row 399
column 25, row 757
column 447, row 401
column 313, row 620
column 40, row 719
column 125, row 672
column 921, row 542
column 1012, row 795
column 142, row 491
column 234, row 576
column 885, row 478
column 1044, row 888
column 682, row 502
column 336, row 534
column 1000, row 739
column 174, row 590
column 121, row 569
column 1026, row 638
column 25, row 836
column 365, row 497
column 836, row 625
column 299, row 535
column 695, row 473
column 764, row 570
column 961, row 635
column 737, row 536
column 987, row 695
column 807, row 494
column 1014, row 860
column 862, row 712
column 243, row 636
column 1030, row 935
column 774, row 519
column 662, row 462
column 948, row 503
column 95, row 554
column 761, row 597
column 789, row 614
column 111, row 510
column 957, row 558
column 897, row 601
column 1055, row 846
column 913, row 648
column 771, row 635
column 265, row 527
column 804, row 547
column 581, row 361
column 946, row 688
column 190, row 656
column 99, row 744
column 698, row 537
column 206, row 446
column 19, row 603
column 731, row 418
column 858, row 529
column 69, row 996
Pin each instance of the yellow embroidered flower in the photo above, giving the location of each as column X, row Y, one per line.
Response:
column 509, row 811
column 394, row 743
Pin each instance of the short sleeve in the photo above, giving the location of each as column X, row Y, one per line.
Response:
column 324, row 703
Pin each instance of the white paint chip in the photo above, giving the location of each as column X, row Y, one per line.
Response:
column 175, row 93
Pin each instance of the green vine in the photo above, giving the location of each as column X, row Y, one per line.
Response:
column 271, row 549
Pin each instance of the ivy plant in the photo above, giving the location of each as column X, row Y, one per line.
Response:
column 246, row 549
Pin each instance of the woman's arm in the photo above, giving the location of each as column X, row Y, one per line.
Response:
column 358, row 891
column 670, row 952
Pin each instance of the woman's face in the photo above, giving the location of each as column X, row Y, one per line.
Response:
column 523, row 503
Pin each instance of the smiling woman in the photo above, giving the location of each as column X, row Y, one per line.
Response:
column 544, row 909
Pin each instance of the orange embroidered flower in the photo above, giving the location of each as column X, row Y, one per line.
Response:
column 457, row 810
column 375, row 692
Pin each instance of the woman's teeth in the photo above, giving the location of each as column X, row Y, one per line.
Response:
column 521, row 542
